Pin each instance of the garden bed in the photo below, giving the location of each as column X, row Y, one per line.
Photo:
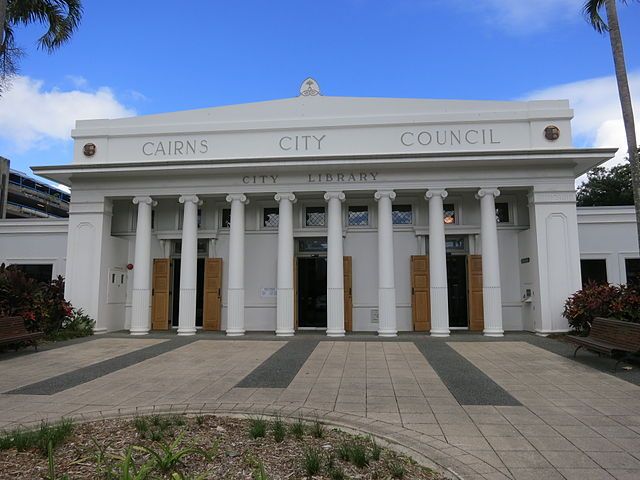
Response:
column 206, row 447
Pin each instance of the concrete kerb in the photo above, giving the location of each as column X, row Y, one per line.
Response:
column 394, row 437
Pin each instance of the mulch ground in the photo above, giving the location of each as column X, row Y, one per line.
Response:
column 96, row 450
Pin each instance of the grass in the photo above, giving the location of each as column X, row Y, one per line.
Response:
column 297, row 429
column 358, row 455
column 157, row 427
column 259, row 472
column 317, row 429
column 396, row 469
column 257, row 427
column 311, row 462
column 376, row 450
column 21, row 439
column 279, row 430
column 344, row 451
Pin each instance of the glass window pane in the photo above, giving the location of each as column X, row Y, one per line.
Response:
column 502, row 212
column 449, row 212
column 226, row 218
column 312, row 245
column 593, row 270
column 315, row 217
column 402, row 215
column 632, row 266
column 358, row 215
column 270, row 217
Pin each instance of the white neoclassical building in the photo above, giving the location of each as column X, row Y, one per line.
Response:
column 333, row 213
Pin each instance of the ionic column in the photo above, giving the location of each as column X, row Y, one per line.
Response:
column 386, row 281
column 188, row 266
column 235, row 292
column 335, row 278
column 491, row 294
column 285, row 300
column 141, row 298
column 439, row 297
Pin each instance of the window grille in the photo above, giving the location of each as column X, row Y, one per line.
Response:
column 449, row 212
column 358, row 216
column 315, row 217
column 226, row 218
column 270, row 217
column 502, row 212
column 402, row 215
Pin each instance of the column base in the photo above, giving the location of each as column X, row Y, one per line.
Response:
column 496, row 333
column 186, row 332
column 137, row 332
column 335, row 333
column 441, row 334
column 235, row 333
column 285, row 333
column 387, row 333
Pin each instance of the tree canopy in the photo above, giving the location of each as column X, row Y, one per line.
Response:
column 607, row 187
column 61, row 17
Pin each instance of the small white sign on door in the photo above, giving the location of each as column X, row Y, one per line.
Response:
column 268, row 292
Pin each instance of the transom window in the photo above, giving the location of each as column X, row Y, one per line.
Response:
column 226, row 218
column 270, row 217
column 358, row 215
column 402, row 215
column 632, row 266
column 315, row 217
column 449, row 213
column 502, row 212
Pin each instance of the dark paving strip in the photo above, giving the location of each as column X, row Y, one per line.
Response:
column 82, row 375
column 467, row 383
column 279, row 369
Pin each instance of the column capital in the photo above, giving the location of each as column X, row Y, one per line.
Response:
column 190, row 198
column 339, row 195
column 143, row 199
column 488, row 191
column 390, row 194
column 237, row 197
column 285, row 196
column 432, row 192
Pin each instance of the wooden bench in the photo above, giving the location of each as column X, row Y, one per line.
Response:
column 13, row 330
column 616, row 338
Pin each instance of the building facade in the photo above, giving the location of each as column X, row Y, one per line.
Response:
column 315, row 212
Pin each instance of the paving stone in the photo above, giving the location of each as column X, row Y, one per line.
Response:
column 570, row 460
column 621, row 460
column 535, row 474
column 558, row 444
column 509, row 443
column 523, row 459
column 586, row 474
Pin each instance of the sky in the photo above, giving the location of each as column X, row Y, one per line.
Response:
column 143, row 57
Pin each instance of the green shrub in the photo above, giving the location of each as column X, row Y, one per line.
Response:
column 317, row 429
column 21, row 439
column 311, row 462
column 42, row 305
column 297, row 428
column 257, row 427
column 396, row 469
column 602, row 300
column 375, row 450
column 358, row 455
column 278, row 429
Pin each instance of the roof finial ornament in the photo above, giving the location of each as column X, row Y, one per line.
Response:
column 309, row 88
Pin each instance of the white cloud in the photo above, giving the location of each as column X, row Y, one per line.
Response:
column 32, row 117
column 597, row 118
column 524, row 16
column 77, row 81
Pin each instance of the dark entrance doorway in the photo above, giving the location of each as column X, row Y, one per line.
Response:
column 175, row 304
column 457, row 286
column 312, row 292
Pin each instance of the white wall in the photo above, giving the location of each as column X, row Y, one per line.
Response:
column 608, row 233
column 35, row 241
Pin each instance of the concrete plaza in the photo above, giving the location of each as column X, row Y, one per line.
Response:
column 518, row 407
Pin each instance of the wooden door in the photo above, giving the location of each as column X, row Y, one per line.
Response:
column 476, row 314
column 348, row 294
column 420, row 300
column 160, row 294
column 212, row 297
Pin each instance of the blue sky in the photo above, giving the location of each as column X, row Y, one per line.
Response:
column 141, row 57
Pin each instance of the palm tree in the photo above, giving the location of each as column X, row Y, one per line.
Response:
column 592, row 10
column 60, row 16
